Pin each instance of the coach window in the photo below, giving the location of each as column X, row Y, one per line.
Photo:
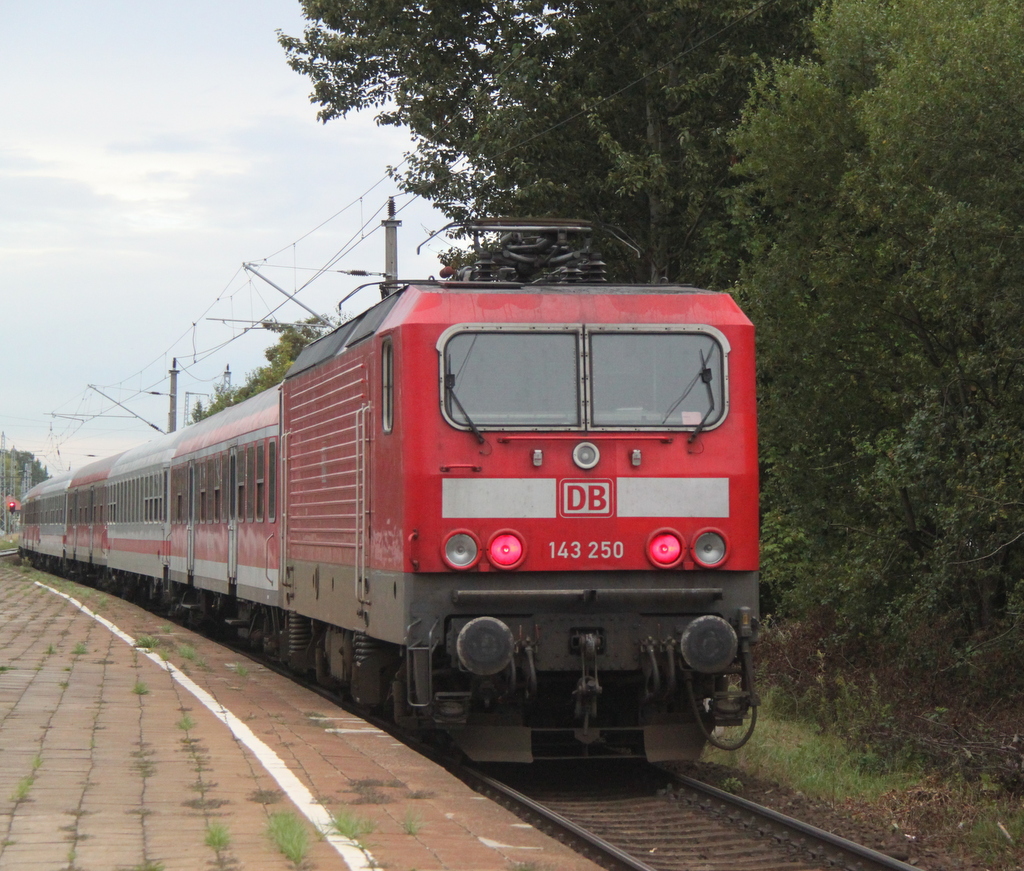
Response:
column 387, row 385
column 498, row 379
column 670, row 378
column 201, row 469
column 250, row 481
column 238, row 509
column 272, row 480
column 260, row 482
column 215, row 481
column 227, row 468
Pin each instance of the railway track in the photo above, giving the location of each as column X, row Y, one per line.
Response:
column 645, row 818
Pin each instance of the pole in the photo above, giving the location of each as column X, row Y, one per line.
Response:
column 172, row 414
column 390, row 226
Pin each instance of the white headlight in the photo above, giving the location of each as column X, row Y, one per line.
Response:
column 709, row 549
column 460, row 551
column 586, row 455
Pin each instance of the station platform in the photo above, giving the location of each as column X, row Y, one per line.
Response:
column 181, row 755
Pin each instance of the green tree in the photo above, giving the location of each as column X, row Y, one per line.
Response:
column 15, row 462
column 611, row 110
column 883, row 198
column 280, row 356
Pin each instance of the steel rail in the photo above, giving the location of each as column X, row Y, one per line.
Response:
column 583, row 841
column 822, row 845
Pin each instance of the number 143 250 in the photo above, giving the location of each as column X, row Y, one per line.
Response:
column 586, row 549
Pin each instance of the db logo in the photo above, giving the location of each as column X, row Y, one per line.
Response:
column 586, row 496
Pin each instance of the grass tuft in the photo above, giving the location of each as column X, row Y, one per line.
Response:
column 217, row 837
column 413, row 822
column 22, row 789
column 351, row 826
column 289, row 835
column 140, row 688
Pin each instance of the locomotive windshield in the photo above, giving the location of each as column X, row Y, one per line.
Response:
column 656, row 379
column 667, row 377
column 512, row 379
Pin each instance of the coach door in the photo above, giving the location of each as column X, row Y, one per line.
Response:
column 191, row 525
column 233, row 509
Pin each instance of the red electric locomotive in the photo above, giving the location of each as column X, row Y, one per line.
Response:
column 519, row 507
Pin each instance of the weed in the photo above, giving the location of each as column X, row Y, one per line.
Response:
column 80, row 649
column 217, row 837
column 186, row 723
column 50, row 650
column 21, row 790
column 4, row 668
column 145, row 768
column 140, row 688
column 148, row 865
column 37, row 763
column 370, row 783
column 266, row 796
column 412, row 823
column 187, row 651
column 372, row 795
column 205, row 804
column 289, row 835
column 148, row 642
column 351, row 826
column 239, row 669
column 732, row 784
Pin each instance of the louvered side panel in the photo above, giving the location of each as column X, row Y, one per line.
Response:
column 323, row 483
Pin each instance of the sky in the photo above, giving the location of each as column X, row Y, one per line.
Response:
column 148, row 150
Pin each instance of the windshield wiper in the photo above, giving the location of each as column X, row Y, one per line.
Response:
column 449, row 386
column 704, row 374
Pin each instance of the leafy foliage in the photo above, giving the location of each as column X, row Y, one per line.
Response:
column 882, row 195
column 292, row 339
column 611, row 110
column 15, row 462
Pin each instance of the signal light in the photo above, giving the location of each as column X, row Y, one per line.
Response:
column 506, row 550
column 665, row 548
column 12, row 505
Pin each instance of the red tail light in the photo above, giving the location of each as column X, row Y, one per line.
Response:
column 506, row 550
column 665, row 548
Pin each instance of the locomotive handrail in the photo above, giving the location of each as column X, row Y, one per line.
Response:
column 266, row 554
column 693, row 594
column 578, row 434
